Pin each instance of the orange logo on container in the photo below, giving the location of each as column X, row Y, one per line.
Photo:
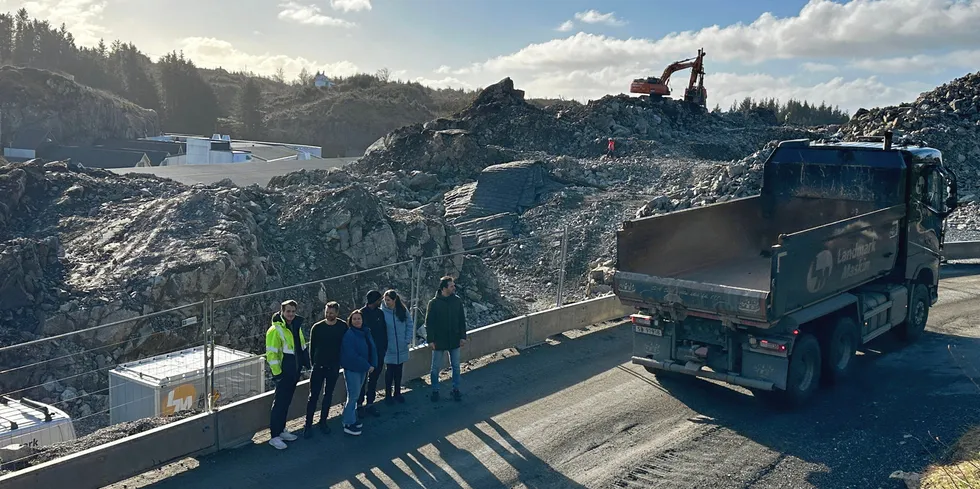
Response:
column 179, row 399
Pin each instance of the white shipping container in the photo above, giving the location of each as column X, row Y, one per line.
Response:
column 174, row 382
column 31, row 423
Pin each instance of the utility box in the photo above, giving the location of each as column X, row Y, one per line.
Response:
column 174, row 382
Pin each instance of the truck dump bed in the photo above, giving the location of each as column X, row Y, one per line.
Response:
column 761, row 257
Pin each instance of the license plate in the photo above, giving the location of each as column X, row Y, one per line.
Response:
column 649, row 330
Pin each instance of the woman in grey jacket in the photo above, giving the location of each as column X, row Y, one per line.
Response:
column 400, row 331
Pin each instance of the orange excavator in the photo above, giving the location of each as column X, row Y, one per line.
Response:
column 657, row 87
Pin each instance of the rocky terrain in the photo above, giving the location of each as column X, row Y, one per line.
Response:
column 82, row 247
column 74, row 114
column 946, row 118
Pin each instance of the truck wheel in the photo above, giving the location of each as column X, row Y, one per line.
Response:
column 803, row 378
column 839, row 349
column 915, row 324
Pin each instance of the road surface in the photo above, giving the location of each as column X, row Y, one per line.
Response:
column 243, row 174
column 575, row 415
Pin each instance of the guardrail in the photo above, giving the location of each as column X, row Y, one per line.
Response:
column 236, row 424
column 961, row 250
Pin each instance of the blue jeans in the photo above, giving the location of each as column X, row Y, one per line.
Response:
column 437, row 356
column 354, row 381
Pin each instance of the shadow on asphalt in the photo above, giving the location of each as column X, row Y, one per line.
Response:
column 395, row 449
column 899, row 411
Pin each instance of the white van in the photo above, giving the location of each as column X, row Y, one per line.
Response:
column 31, row 423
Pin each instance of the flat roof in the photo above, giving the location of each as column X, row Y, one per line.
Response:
column 243, row 174
column 25, row 415
column 178, row 364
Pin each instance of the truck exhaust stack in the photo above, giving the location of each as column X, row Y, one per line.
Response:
column 888, row 140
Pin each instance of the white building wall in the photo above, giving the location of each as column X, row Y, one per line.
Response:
column 220, row 157
column 18, row 153
column 198, row 151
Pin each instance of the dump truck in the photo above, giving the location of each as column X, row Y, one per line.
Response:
column 776, row 292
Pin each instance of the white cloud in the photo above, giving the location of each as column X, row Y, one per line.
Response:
column 566, row 26
column 823, row 28
column 81, row 17
column 819, row 67
column 595, row 17
column 447, row 82
column 444, row 69
column 208, row 52
column 919, row 63
column 350, row 5
column 309, row 15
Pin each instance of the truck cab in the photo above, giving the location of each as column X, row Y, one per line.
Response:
column 777, row 291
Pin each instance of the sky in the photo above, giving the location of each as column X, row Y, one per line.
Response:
column 857, row 53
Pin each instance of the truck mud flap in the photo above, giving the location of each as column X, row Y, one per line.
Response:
column 672, row 366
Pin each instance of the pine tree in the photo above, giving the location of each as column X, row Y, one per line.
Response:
column 250, row 109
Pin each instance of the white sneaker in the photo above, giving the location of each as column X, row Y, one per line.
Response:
column 278, row 443
column 285, row 435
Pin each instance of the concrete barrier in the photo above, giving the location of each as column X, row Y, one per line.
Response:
column 961, row 250
column 121, row 459
column 237, row 423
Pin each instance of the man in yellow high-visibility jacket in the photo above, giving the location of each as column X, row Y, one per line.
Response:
column 287, row 364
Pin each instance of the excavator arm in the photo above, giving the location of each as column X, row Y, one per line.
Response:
column 658, row 87
column 675, row 67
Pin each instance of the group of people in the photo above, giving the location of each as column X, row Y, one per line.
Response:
column 373, row 338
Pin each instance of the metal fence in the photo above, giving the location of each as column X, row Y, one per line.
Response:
column 129, row 373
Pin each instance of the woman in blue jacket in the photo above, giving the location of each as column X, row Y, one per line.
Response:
column 400, row 331
column 358, row 357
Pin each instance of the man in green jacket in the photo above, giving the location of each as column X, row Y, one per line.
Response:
column 445, row 327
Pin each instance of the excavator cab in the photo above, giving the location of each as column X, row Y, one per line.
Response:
column 657, row 87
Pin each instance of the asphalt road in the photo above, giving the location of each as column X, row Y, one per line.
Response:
column 243, row 174
column 575, row 415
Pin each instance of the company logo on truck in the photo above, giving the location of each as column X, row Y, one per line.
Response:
column 820, row 269
column 851, row 261
column 858, row 254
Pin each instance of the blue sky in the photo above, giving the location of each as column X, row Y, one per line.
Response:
column 849, row 53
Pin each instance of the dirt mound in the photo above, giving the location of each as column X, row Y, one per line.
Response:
column 75, row 114
column 500, row 126
column 84, row 247
column 946, row 118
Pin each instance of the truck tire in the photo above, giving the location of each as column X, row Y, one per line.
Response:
column 915, row 324
column 803, row 378
column 841, row 345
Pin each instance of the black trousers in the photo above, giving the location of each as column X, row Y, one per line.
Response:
column 285, row 388
column 369, row 390
column 318, row 377
column 393, row 379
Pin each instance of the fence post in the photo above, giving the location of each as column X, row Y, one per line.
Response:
column 416, row 291
column 208, row 319
column 562, row 260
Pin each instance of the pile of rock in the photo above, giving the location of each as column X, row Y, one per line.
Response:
column 500, row 126
column 717, row 183
column 947, row 118
column 85, row 247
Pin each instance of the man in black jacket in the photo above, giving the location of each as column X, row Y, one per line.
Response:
column 445, row 327
column 374, row 320
column 325, row 339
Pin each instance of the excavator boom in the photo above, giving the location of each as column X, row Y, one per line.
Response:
column 657, row 87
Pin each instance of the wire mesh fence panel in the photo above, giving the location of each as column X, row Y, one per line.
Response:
column 117, row 376
column 497, row 281
column 240, row 323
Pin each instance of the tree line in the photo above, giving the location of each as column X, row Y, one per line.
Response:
column 172, row 86
column 792, row 112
